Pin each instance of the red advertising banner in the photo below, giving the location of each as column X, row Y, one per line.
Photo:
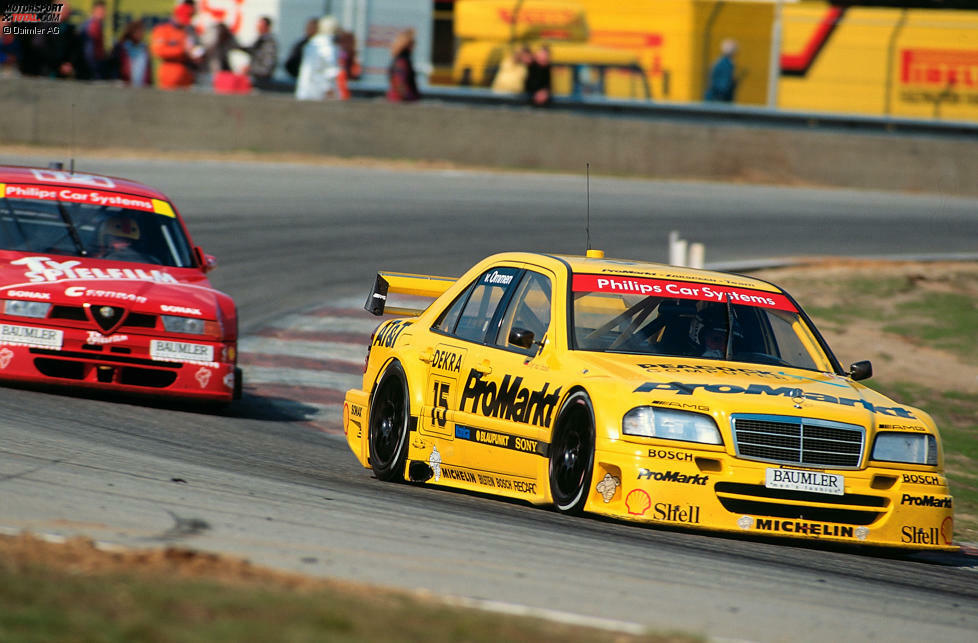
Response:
column 78, row 195
column 681, row 290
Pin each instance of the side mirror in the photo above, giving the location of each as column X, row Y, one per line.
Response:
column 521, row 337
column 207, row 262
column 861, row 370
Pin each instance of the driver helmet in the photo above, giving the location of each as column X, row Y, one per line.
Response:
column 118, row 227
column 709, row 331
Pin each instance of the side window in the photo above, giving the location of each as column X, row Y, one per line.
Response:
column 446, row 321
column 479, row 310
column 529, row 310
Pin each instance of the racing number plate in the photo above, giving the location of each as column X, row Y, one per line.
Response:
column 811, row 481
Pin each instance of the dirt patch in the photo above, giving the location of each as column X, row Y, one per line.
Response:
column 82, row 556
column 895, row 357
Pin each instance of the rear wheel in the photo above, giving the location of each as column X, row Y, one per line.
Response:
column 388, row 429
column 572, row 454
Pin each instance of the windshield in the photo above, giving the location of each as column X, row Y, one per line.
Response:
column 131, row 232
column 685, row 319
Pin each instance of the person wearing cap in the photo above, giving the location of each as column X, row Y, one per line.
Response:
column 176, row 50
column 320, row 64
column 723, row 81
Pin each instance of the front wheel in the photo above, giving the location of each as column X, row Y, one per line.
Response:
column 572, row 454
column 388, row 428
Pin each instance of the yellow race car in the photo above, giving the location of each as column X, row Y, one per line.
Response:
column 644, row 392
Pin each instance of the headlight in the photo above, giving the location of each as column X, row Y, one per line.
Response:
column 909, row 448
column 653, row 422
column 189, row 325
column 37, row 309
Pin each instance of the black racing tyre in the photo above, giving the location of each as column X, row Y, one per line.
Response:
column 238, row 383
column 572, row 454
column 388, row 428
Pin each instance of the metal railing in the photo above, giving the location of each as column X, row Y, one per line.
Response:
column 706, row 112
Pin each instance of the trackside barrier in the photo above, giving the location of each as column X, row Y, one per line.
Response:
column 685, row 254
column 80, row 116
column 705, row 112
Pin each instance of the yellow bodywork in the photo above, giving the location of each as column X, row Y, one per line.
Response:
column 483, row 419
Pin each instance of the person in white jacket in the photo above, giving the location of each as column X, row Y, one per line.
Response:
column 320, row 64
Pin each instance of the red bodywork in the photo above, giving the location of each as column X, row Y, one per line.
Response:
column 80, row 342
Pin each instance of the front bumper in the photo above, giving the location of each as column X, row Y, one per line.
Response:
column 123, row 362
column 714, row 490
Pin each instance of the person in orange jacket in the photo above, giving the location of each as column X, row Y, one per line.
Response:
column 177, row 51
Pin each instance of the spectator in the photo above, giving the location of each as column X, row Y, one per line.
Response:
column 346, row 44
column 294, row 61
column 217, row 52
column 176, row 47
column 9, row 48
column 320, row 64
column 403, row 85
column 57, row 55
column 264, row 55
column 97, row 62
column 723, row 82
column 131, row 56
column 511, row 77
column 538, row 78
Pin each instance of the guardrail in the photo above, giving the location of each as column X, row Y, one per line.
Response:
column 711, row 112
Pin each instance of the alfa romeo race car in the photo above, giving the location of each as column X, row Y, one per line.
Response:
column 102, row 287
column 643, row 392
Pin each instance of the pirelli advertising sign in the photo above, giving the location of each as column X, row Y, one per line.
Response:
column 915, row 63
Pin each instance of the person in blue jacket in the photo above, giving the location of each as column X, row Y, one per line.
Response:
column 723, row 81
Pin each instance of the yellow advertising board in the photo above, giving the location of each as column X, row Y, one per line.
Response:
column 121, row 12
column 670, row 43
column 918, row 63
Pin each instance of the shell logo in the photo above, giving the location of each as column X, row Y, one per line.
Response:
column 637, row 502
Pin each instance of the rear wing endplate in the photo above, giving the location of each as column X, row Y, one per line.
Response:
column 404, row 284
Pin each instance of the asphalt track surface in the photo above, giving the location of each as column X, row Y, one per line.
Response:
column 257, row 482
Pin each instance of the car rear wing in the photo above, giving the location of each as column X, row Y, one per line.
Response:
column 404, row 284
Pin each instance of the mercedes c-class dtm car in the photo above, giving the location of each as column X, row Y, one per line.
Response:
column 643, row 392
column 102, row 287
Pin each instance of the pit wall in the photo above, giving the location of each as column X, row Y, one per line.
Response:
column 82, row 116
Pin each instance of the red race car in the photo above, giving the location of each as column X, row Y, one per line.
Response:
column 102, row 287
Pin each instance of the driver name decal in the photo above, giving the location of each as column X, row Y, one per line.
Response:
column 681, row 290
column 47, row 269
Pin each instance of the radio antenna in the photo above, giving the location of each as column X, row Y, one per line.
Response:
column 587, row 225
column 71, row 166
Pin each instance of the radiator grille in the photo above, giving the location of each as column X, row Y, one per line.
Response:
column 801, row 441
